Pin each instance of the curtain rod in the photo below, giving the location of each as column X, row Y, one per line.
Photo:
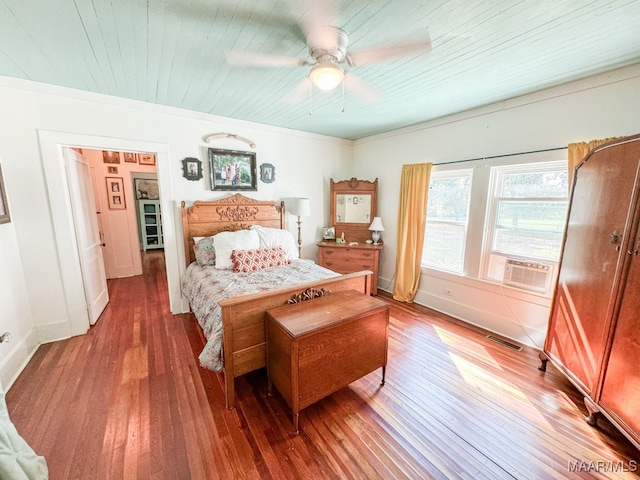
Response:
column 501, row 156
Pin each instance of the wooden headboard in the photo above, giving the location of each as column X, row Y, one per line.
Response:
column 237, row 212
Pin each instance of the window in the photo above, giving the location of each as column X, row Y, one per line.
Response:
column 527, row 207
column 447, row 215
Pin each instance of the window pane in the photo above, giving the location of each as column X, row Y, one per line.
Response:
column 449, row 198
column 535, row 184
column 444, row 246
column 530, row 229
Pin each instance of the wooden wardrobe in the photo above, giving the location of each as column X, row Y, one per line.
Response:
column 594, row 327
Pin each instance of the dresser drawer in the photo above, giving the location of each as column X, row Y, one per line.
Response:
column 347, row 265
column 348, row 253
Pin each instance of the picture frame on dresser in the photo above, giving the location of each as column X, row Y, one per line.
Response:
column 328, row 233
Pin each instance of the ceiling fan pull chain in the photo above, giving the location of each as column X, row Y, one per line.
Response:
column 310, row 99
column 342, row 96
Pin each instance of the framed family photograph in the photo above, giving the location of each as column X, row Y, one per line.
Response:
column 267, row 173
column 4, row 207
column 192, row 168
column 115, row 193
column 232, row 170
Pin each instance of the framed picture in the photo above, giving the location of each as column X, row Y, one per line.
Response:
column 146, row 159
column 4, row 206
column 232, row 170
column 113, row 170
column 267, row 173
column 146, row 188
column 192, row 168
column 110, row 157
column 130, row 157
column 115, row 193
column 328, row 233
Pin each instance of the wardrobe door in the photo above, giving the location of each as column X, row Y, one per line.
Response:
column 620, row 395
column 591, row 262
column 621, row 389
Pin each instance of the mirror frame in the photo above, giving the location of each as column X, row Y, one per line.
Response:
column 353, row 232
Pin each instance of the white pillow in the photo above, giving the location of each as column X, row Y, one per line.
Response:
column 275, row 237
column 226, row 242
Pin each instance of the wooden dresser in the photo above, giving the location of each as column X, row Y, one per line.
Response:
column 343, row 258
column 316, row 347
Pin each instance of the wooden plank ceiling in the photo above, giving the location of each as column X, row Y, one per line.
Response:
column 172, row 52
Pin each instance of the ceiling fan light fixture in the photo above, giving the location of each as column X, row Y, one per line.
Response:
column 326, row 75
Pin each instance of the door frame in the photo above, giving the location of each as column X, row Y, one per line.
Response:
column 51, row 144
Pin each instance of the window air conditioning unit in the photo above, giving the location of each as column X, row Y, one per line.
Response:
column 527, row 275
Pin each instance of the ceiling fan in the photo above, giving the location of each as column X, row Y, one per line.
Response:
column 327, row 47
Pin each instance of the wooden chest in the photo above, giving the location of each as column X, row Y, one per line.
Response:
column 317, row 347
column 343, row 258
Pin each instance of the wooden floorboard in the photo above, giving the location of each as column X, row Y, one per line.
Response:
column 128, row 400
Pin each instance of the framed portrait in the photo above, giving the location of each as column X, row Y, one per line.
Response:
column 4, row 206
column 113, row 170
column 109, row 156
column 115, row 193
column 146, row 188
column 328, row 233
column 192, row 168
column 146, row 159
column 232, row 170
column 267, row 173
column 130, row 157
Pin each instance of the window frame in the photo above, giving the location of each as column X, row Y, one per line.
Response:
column 441, row 174
column 493, row 203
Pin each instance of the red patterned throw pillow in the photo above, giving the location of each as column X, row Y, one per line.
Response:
column 253, row 260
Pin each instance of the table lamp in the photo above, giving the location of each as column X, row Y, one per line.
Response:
column 376, row 227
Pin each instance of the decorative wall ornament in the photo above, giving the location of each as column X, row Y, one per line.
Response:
column 192, row 168
column 267, row 173
column 215, row 136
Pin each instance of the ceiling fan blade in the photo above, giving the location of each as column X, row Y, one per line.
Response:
column 374, row 55
column 362, row 89
column 299, row 91
column 315, row 18
column 247, row 59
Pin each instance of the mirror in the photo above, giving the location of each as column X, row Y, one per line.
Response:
column 353, row 206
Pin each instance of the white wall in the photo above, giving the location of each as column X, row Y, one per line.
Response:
column 598, row 107
column 35, row 257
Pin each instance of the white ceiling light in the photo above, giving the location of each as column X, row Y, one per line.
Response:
column 326, row 75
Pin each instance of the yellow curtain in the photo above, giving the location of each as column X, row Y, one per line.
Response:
column 412, row 217
column 577, row 151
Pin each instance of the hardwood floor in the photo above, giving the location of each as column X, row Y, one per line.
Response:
column 129, row 400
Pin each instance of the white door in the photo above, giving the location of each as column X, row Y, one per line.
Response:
column 85, row 221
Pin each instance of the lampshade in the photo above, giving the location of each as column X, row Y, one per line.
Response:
column 376, row 225
column 300, row 207
column 326, row 75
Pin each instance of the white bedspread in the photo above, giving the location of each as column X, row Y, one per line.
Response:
column 204, row 287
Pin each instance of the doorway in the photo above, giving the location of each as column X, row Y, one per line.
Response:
column 62, row 218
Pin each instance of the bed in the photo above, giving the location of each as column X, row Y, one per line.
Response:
column 242, row 317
